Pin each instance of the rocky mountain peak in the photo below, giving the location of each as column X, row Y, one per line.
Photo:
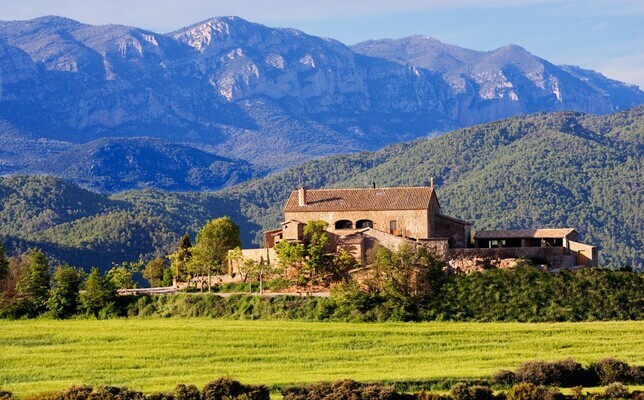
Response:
column 273, row 96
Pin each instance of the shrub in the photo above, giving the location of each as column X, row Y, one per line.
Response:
column 80, row 392
column 565, row 373
column 610, row 370
column 189, row 392
column 462, row 391
column 616, row 390
column 5, row 395
column 430, row 396
column 114, row 393
column 224, row 388
column 637, row 375
column 159, row 396
column 343, row 390
column 504, row 377
column 526, row 391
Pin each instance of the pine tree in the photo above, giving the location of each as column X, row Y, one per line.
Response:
column 64, row 299
column 33, row 286
column 99, row 293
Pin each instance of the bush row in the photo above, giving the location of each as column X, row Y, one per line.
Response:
column 227, row 389
column 569, row 373
column 220, row 389
column 524, row 295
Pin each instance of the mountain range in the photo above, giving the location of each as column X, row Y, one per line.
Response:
column 238, row 99
column 564, row 169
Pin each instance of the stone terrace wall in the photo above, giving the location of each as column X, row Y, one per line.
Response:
column 466, row 260
column 439, row 246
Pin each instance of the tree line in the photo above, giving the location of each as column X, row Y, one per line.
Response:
column 410, row 284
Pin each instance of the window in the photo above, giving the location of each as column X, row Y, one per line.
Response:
column 393, row 227
column 344, row 224
column 364, row 223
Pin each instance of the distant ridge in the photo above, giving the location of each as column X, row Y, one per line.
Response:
column 272, row 97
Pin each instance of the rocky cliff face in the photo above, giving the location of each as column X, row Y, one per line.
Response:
column 274, row 97
column 506, row 81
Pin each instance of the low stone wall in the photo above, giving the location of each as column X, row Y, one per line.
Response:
column 385, row 239
column 466, row 260
column 259, row 255
column 438, row 246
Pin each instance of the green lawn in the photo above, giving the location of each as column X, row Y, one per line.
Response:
column 156, row 354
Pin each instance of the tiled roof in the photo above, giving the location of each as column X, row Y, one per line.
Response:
column 460, row 221
column 525, row 233
column 400, row 198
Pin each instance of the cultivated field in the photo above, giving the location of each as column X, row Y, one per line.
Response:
column 156, row 354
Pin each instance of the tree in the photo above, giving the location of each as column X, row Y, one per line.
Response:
column 343, row 261
column 290, row 255
column 9, row 302
column 4, row 263
column 154, row 272
column 99, row 293
column 263, row 270
column 64, row 298
column 122, row 275
column 32, row 287
column 235, row 256
column 167, row 278
column 316, row 241
column 249, row 268
column 180, row 260
column 404, row 280
column 213, row 242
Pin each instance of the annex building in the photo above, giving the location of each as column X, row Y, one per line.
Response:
column 359, row 219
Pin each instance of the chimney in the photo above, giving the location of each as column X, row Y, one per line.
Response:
column 374, row 184
column 431, row 182
column 302, row 196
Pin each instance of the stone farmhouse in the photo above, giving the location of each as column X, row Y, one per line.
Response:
column 359, row 219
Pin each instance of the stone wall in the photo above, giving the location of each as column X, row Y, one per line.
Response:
column 259, row 255
column 457, row 232
column 411, row 223
column 438, row 246
column 466, row 260
column 585, row 254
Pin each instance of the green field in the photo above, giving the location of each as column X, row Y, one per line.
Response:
column 156, row 354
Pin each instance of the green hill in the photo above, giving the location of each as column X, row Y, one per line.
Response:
column 543, row 170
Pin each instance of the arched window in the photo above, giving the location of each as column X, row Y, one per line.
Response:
column 364, row 223
column 343, row 224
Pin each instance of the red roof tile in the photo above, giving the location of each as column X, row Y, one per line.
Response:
column 399, row 198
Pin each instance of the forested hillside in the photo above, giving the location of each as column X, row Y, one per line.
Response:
column 543, row 170
column 117, row 164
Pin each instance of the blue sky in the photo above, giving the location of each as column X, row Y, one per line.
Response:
column 605, row 35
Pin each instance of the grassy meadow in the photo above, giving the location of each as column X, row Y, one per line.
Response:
column 156, row 354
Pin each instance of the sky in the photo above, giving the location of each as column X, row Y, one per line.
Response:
column 604, row 35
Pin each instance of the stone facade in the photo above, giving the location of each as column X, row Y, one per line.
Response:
column 410, row 212
column 457, row 231
column 409, row 223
